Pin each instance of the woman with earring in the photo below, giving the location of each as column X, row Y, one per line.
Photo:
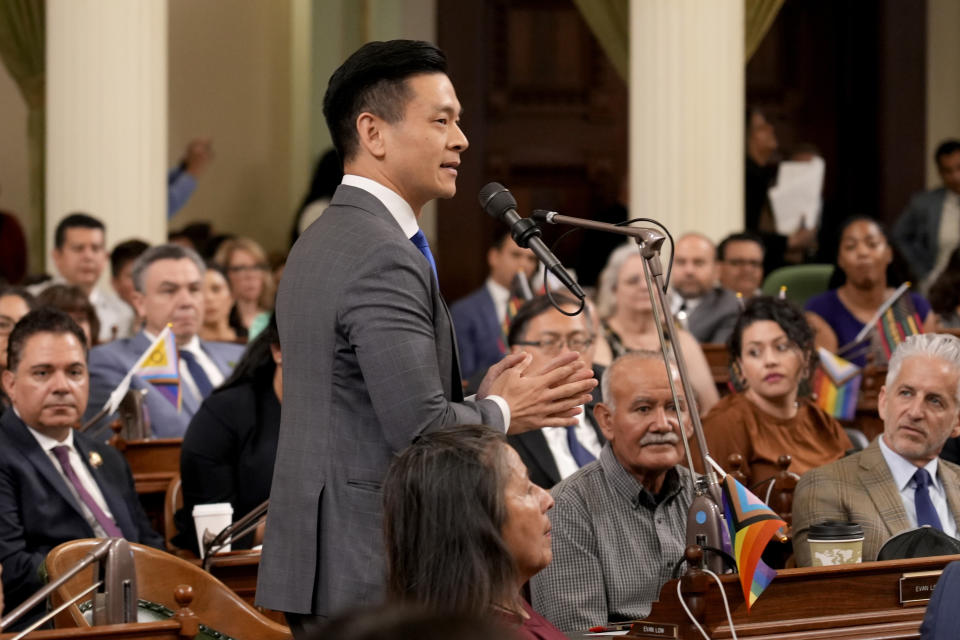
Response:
column 771, row 348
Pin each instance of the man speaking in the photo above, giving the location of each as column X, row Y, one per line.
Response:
column 369, row 356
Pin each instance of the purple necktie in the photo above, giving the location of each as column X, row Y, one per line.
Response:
column 926, row 512
column 109, row 527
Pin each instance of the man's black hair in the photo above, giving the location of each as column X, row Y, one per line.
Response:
column 42, row 320
column 946, row 148
column 125, row 253
column 373, row 79
column 73, row 221
column 537, row 306
column 743, row 236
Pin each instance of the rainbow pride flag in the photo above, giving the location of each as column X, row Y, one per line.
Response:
column 896, row 324
column 836, row 384
column 160, row 367
column 751, row 524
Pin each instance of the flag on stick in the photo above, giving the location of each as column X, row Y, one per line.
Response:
column 836, row 383
column 159, row 366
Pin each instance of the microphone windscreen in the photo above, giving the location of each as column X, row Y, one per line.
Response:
column 496, row 200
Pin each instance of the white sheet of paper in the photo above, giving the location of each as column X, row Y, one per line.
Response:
column 795, row 199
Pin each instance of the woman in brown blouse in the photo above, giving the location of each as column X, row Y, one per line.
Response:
column 771, row 346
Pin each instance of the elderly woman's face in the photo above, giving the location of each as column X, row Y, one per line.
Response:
column 246, row 275
column 526, row 530
column 632, row 293
column 771, row 363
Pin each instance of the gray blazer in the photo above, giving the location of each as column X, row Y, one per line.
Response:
column 369, row 363
column 713, row 320
column 917, row 230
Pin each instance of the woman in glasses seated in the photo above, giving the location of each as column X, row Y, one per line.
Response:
column 627, row 323
column 466, row 528
column 771, row 349
column 251, row 284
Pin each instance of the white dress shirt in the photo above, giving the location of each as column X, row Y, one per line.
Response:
column 902, row 471
column 209, row 366
column 501, row 298
column 556, row 438
column 86, row 479
column 948, row 236
column 403, row 213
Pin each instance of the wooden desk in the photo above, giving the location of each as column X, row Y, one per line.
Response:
column 154, row 463
column 718, row 357
column 165, row 630
column 858, row 601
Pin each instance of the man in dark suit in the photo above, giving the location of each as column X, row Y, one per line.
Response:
column 169, row 289
column 927, row 230
column 943, row 618
column 704, row 309
column 55, row 484
column 553, row 453
column 480, row 317
column 369, row 355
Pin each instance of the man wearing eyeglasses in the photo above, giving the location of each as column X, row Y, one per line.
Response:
column 553, row 453
column 740, row 261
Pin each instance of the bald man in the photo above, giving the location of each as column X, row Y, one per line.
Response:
column 699, row 304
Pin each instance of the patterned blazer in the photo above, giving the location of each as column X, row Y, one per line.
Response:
column 860, row 488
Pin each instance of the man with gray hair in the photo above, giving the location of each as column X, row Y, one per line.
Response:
column 169, row 290
column 898, row 482
column 619, row 523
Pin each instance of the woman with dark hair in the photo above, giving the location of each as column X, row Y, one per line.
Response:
column 229, row 448
column 945, row 297
column 466, row 528
column 217, row 305
column 771, row 348
column 74, row 302
column 861, row 286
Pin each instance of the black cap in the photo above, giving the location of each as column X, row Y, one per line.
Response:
column 919, row 543
column 834, row 530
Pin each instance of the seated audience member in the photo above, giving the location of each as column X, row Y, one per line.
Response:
column 706, row 310
column 942, row 618
column 55, row 484
column 230, row 445
column 626, row 316
column 72, row 301
column 838, row 315
column 619, row 524
column 740, row 262
column 898, row 482
column 327, row 176
column 14, row 304
column 80, row 256
column 927, row 229
column 217, row 304
column 251, row 282
column 464, row 494
column 169, row 289
column 771, row 347
column 481, row 318
column 121, row 271
column 553, row 453
column 945, row 297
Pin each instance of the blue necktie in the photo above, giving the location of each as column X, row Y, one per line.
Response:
column 926, row 514
column 577, row 450
column 421, row 241
column 197, row 373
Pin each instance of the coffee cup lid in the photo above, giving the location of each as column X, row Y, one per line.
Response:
column 836, row 530
column 214, row 509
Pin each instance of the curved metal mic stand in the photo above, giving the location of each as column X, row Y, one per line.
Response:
column 705, row 522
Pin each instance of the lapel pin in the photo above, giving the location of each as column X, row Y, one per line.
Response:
column 95, row 459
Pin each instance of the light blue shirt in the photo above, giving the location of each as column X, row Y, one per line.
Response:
column 902, row 471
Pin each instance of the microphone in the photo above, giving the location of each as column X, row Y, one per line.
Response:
column 499, row 203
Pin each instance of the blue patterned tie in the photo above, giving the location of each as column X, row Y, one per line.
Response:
column 197, row 373
column 926, row 513
column 577, row 450
column 421, row 241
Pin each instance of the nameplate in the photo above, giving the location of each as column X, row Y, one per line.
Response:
column 652, row 630
column 916, row 588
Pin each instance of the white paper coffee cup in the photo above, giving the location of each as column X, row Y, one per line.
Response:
column 833, row 543
column 213, row 518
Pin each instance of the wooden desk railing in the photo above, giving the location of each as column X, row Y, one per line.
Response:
column 858, row 601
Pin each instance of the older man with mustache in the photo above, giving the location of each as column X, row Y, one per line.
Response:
column 619, row 523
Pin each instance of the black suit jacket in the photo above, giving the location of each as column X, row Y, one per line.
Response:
column 38, row 511
column 535, row 452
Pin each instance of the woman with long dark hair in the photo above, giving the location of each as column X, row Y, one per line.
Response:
column 945, row 297
column 231, row 443
column 466, row 528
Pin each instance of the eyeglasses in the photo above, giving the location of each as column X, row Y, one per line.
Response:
column 247, row 267
column 552, row 344
column 738, row 263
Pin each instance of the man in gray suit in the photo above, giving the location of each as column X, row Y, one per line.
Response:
column 928, row 230
column 699, row 304
column 898, row 482
column 169, row 289
column 369, row 355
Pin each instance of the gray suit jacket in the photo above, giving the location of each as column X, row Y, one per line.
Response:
column 859, row 488
column 713, row 320
column 369, row 363
column 110, row 362
column 917, row 230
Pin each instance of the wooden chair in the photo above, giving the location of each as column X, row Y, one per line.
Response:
column 159, row 575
